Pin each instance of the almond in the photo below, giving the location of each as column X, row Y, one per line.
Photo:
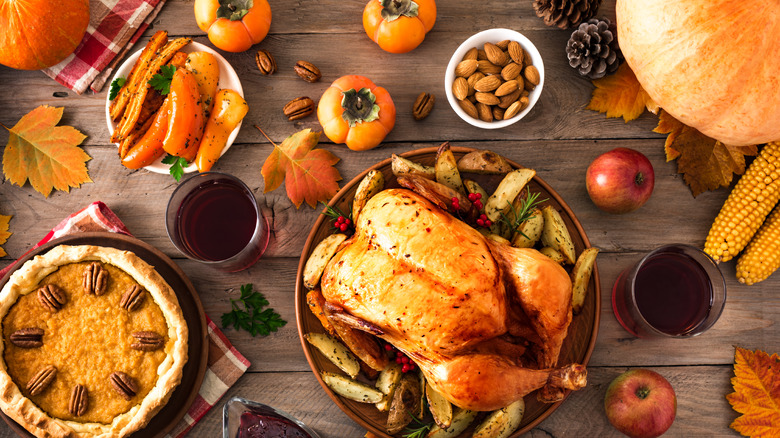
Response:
column 469, row 108
column 498, row 113
column 488, row 83
column 485, row 114
column 473, row 79
column 513, row 110
column 531, row 74
column 503, row 44
column 471, row 54
column 460, row 88
column 511, row 71
column 507, row 87
column 495, row 54
column 507, row 100
column 515, row 52
column 523, row 102
column 486, row 98
column 488, row 67
column 465, row 68
column 481, row 56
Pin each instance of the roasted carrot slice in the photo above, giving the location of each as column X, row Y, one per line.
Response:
column 118, row 105
column 150, row 146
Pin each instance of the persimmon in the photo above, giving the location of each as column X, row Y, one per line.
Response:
column 234, row 25
column 229, row 109
column 355, row 111
column 185, row 125
column 399, row 26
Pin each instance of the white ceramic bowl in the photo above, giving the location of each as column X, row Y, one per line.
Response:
column 479, row 40
column 227, row 79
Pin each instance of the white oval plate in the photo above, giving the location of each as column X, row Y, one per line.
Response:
column 227, row 79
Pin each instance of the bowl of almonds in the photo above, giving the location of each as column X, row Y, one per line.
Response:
column 494, row 78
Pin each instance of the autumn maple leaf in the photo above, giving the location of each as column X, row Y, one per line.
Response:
column 621, row 95
column 705, row 163
column 45, row 154
column 4, row 233
column 756, row 393
column 307, row 172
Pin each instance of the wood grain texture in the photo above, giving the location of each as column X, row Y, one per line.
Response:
column 559, row 138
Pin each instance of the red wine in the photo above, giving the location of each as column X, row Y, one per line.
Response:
column 673, row 293
column 217, row 220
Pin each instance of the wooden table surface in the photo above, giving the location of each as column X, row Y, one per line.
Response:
column 558, row 138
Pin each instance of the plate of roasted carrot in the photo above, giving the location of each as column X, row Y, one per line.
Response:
column 175, row 104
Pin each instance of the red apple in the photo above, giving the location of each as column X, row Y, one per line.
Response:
column 640, row 403
column 620, row 180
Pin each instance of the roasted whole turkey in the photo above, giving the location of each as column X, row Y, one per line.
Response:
column 484, row 321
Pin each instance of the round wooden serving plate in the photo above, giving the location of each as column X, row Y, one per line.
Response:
column 191, row 307
column 577, row 347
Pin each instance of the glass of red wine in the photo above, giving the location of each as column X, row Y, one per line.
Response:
column 674, row 291
column 214, row 218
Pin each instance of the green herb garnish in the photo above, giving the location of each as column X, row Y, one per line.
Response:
column 162, row 81
column 418, row 432
column 177, row 165
column 525, row 212
column 248, row 314
column 116, row 85
column 335, row 212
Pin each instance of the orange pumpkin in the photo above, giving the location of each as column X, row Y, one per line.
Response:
column 36, row 34
column 712, row 64
column 399, row 26
column 234, row 25
column 353, row 110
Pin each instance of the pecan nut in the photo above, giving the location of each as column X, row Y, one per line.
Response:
column 423, row 106
column 79, row 400
column 307, row 71
column 41, row 380
column 147, row 341
column 95, row 279
column 133, row 298
column 29, row 337
column 123, row 384
column 298, row 108
column 51, row 297
column 265, row 62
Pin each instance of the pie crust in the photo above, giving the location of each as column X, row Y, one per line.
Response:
column 27, row 279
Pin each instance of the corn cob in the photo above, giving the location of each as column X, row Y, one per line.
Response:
column 762, row 255
column 747, row 206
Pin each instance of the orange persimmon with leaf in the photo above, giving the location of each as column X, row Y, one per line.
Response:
column 234, row 25
column 356, row 112
column 399, row 26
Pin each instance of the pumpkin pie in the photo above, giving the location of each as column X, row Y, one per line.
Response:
column 93, row 343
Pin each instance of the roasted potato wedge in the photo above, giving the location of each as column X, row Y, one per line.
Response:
column 501, row 423
column 372, row 183
column 316, row 301
column 319, row 258
column 335, row 351
column 461, row 420
column 403, row 166
column 530, row 231
column 553, row 254
column 497, row 238
column 351, row 389
column 485, row 162
column 406, row 401
column 388, row 380
column 440, row 407
column 361, row 344
column 581, row 277
column 555, row 233
column 447, row 169
column 508, row 189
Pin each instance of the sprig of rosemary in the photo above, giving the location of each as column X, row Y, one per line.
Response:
column 334, row 212
column 418, row 432
column 525, row 212
column 248, row 314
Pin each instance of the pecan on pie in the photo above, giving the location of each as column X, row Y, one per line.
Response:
column 93, row 343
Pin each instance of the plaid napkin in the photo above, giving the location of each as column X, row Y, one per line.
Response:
column 225, row 363
column 114, row 26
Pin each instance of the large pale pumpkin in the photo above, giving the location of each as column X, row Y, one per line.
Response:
column 712, row 64
column 36, row 34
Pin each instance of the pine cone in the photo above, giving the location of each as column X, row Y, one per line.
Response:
column 566, row 13
column 593, row 48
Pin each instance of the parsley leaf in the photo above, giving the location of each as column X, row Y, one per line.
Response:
column 162, row 81
column 116, row 85
column 177, row 165
column 248, row 314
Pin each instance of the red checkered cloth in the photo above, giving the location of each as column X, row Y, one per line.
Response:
column 114, row 26
column 225, row 363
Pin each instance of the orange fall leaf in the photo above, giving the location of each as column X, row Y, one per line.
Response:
column 756, row 393
column 4, row 233
column 621, row 95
